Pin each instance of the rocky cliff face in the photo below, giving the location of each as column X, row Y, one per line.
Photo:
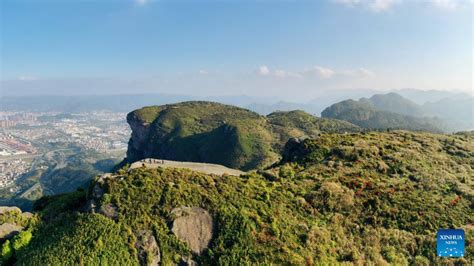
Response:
column 200, row 132
column 137, row 144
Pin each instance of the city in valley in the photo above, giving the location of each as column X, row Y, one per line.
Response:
column 39, row 142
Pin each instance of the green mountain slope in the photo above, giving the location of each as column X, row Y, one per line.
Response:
column 365, row 198
column 458, row 112
column 395, row 103
column 364, row 114
column 217, row 133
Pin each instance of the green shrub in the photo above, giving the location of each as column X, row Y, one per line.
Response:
column 21, row 240
column 6, row 253
column 287, row 171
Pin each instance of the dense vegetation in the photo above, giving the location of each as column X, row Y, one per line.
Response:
column 358, row 198
column 13, row 244
column 217, row 133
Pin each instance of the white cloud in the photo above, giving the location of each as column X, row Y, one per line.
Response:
column 365, row 72
column 348, row 2
column 286, row 74
column 316, row 71
column 141, row 2
column 359, row 73
column 374, row 5
column 263, row 71
column 446, row 4
column 323, row 72
column 384, row 5
column 27, row 78
column 381, row 5
column 203, row 72
column 278, row 73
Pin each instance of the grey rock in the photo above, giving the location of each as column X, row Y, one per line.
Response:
column 96, row 194
column 8, row 230
column 186, row 261
column 193, row 226
column 4, row 209
column 27, row 215
column 109, row 210
column 148, row 249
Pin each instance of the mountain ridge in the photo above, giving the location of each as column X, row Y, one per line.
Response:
column 378, row 112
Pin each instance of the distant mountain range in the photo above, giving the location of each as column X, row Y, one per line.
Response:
column 263, row 105
column 453, row 111
column 385, row 111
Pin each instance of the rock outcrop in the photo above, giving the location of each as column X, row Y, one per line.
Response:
column 94, row 199
column 8, row 230
column 148, row 249
column 186, row 261
column 6, row 209
column 193, row 226
column 12, row 221
column 109, row 210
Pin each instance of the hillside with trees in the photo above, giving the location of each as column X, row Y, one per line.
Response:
column 361, row 198
column 367, row 115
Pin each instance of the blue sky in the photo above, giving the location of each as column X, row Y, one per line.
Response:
column 291, row 49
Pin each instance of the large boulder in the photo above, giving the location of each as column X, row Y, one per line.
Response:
column 109, row 210
column 193, row 226
column 6, row 209
column 94, row 198
column 11, row 218
column 8, row 230
column 187, row 261
column 148, row 249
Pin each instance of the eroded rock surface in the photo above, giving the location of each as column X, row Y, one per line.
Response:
column 186, row 261
column 148, row 249
column 5, row 209
column 12, row 226
column 7, row 230
column 94, row 198
column 193, row 226
column 109, row 210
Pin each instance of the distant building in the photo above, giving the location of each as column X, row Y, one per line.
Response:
column 7, row 123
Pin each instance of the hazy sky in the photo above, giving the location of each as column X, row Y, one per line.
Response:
column 290, row 49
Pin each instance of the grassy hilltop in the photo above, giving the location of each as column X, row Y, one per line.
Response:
column 217, row 133
column 357, row 198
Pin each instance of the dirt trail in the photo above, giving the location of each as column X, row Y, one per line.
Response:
column 206, row 168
